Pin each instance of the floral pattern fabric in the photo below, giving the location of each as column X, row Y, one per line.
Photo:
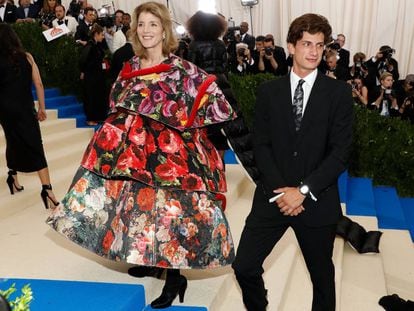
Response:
column 148, row 191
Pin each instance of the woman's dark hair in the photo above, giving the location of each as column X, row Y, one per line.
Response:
column 96, row 28
column 312, row 23
column 11, row 47
column 204, row 26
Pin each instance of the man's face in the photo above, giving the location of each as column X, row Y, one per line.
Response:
column 90, row 16
column 244, row 27
column 118, row 19
column 25, row 3
column 59, row 12
column 307, row 53
column 126, row 20
column 341, row 41
column 259, row 45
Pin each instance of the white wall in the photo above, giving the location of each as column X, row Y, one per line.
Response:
column 367, row 24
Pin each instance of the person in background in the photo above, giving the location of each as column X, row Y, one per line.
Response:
column 18, row 117
column 26, row 12
column 245, row 37
column 334, row 70
column 342, row 53
column 272, row 59
column 407, row 99
column 47, row 13
column 359, row 91
column 7, row 12
column 120, row 56
column 383, row 97
column 82, row 31
column 92, row 76
column 60, row 19
column 302, row 136
column 149, row 189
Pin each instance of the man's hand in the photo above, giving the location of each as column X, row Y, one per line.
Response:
column 290, row 204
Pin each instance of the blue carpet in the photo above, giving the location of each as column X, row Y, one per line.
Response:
column 389, row 212
column 73, row 295
column 230, row 157
column 360, row 198
column 407, row 205
column 177, row 308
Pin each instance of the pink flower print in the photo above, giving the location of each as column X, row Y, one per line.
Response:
column 158, row 96
column 169, row 108
column 146, row 106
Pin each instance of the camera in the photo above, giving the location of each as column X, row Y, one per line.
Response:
column 241, row 51
column 230, row 35
column 105, row 21
column 268, row 51
column 387, row 53
column 334, row 46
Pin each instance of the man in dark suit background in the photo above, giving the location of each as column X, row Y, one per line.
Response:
column 7, row 12
column 26, row 12
column 343, row 53
column 302, row 137
column 246, row 38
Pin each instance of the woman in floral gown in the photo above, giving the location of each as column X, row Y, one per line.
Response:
column 149, row 188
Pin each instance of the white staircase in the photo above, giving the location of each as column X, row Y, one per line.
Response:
column 30, row 249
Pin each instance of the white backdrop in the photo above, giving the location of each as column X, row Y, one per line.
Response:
column 367, row 24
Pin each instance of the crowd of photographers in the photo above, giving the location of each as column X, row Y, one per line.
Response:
column 375, row 81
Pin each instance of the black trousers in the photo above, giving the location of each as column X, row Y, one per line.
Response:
column 257, row 242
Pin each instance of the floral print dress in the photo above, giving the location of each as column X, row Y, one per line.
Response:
column 148, row 191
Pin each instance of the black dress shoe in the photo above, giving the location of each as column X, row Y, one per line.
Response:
column 4, row 305
column 143, row 271
column 394, row 303
column 171, row 289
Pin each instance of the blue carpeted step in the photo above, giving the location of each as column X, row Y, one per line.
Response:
column 407, row 205
column 70, row 111
column 360, row 197
column 73, row 295
column 343, row 186
column 230, row 157
column 59, row 101
column 389, row 212
column 52, row 92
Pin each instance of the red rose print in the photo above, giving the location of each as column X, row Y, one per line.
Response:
column 165, row 172
column 178, row 164
column 107, row 241
column 157, row 126
column 146, row 199
column 169, row 141
column 89, row 159
column 150, row 146
column 169, row 108
column 137, row 136
column 164, row 87
column 193, row 182
column 105, row 169
column 143, row 176
column 132, row 158
column 109, row 137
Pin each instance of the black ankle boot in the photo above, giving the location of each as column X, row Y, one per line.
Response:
column 143, row 271
column 172, row 288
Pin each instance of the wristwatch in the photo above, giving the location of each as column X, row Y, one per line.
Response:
column 304, row 189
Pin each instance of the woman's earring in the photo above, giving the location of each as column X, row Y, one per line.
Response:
column 163, row 35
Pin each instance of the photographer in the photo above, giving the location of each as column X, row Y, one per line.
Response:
column 407, row 105
column 359, row 91
column 358, row 69
column 380, row 63
column 272, row 59
column 244, row 61
column 334, row 70
column 383, row 98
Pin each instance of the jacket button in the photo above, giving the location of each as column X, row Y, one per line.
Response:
column 295, row 153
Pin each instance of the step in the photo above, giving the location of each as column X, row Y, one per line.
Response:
column 360, row 197
column 49, row 92
column 388, row 208
column 363, row 279
column 60, row 101
column 407, row 205
column 70, row 110
column 397, row 252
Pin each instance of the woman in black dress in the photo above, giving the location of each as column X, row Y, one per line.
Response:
column 95, row 92
column 18, row 117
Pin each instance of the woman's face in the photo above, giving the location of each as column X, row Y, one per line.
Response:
column 150, row 31
column 99, row 36
column 51, row 3
column 358, row 83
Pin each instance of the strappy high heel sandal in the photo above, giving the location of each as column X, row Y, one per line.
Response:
column 46, row 197
column 12, row 183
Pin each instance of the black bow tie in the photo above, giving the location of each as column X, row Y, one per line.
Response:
column 1, row 5
column 60, row 22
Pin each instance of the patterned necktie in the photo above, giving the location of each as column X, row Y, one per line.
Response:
column 298, row 104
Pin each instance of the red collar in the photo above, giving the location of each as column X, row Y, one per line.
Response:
column 128, row 73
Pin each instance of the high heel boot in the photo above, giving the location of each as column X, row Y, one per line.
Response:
column 12, row 183
column 174, row 285
column 46, row 197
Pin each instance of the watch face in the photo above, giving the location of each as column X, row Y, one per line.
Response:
column 304, row 189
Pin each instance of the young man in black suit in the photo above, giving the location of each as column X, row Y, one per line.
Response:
column 302, row 138
column 7, row 12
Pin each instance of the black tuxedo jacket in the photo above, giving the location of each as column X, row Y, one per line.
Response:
column 9, row 14
column 315, row 155
column 250, row 41
column 343, row 58
column 82, row 31
column 33, row 11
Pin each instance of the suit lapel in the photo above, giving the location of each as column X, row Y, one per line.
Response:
column 286, row 103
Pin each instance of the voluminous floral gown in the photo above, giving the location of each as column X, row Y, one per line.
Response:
column 149, row 188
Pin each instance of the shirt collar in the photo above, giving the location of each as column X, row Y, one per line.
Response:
column 309, row 79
